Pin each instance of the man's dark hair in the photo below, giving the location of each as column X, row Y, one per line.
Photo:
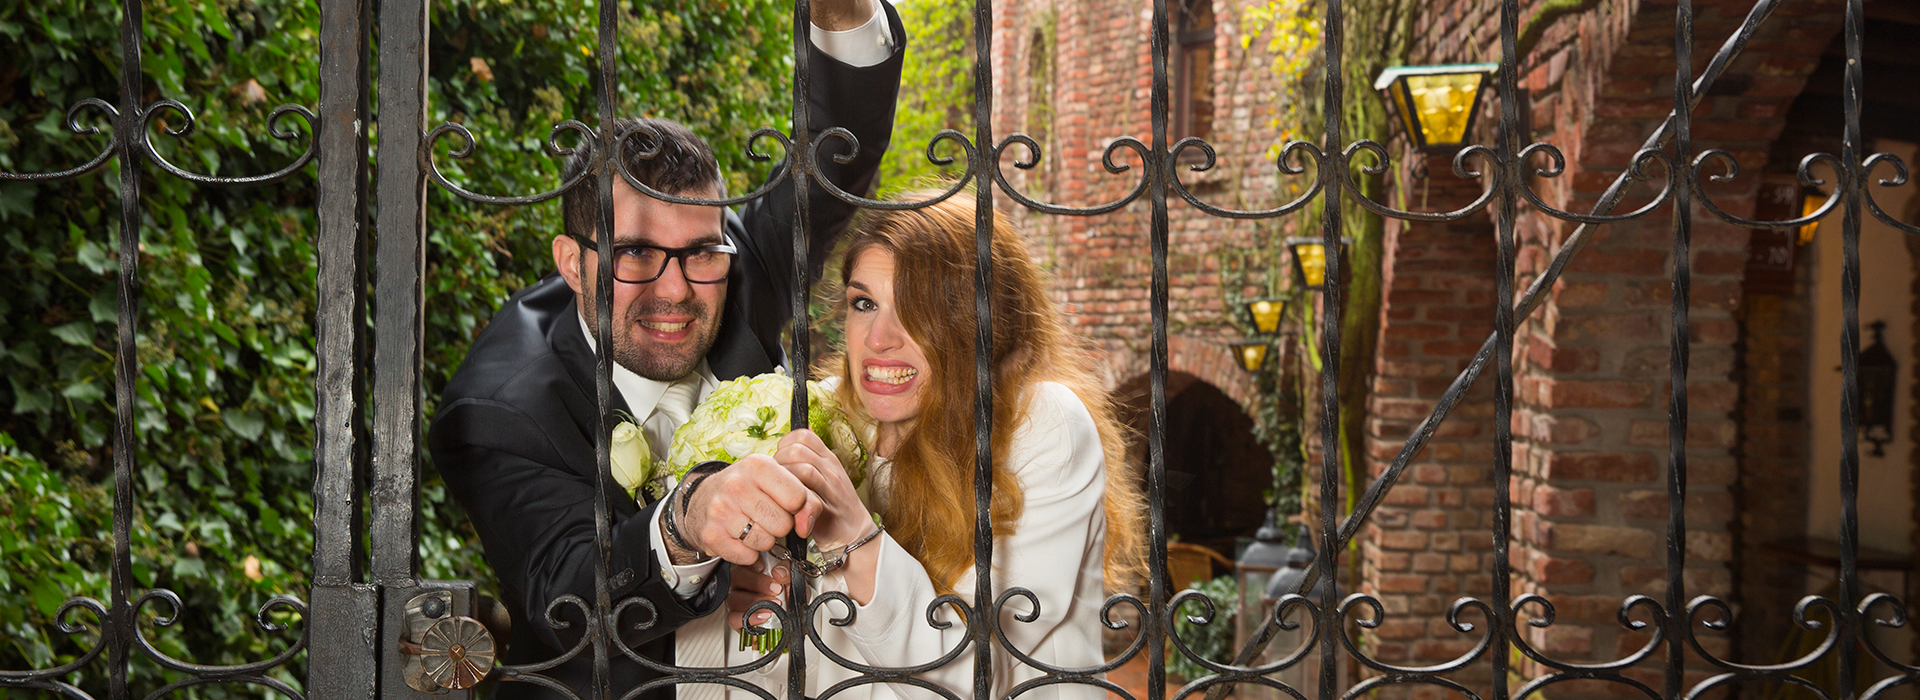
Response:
column 684, row 164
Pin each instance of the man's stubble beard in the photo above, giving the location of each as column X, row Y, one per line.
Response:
column 658, row 366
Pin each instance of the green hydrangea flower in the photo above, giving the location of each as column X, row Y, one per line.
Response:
column 749, row 415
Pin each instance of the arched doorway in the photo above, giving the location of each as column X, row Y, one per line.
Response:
column 1217, row 472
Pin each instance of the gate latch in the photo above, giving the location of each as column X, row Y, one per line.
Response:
column 443, row 651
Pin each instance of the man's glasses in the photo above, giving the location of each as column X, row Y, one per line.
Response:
column 640, row 264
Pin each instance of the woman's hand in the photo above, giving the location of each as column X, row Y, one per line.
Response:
column 845, row 518
column 750, row 587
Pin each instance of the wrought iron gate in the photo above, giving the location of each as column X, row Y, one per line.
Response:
column 358, row 607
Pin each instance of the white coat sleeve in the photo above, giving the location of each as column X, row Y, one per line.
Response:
column 1058, row 539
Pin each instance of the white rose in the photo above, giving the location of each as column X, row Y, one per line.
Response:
column 632, row 459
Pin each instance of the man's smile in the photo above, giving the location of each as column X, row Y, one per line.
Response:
column 665, row 326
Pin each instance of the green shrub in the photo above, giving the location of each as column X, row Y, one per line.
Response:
column 225, row 400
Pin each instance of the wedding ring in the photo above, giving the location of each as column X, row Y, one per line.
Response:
column 745, row 531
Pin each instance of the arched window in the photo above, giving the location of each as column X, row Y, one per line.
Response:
column 1193, row 70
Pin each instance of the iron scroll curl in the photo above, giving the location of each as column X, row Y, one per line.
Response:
column 1422, row 673
column 1284, row 162
column 172, row 600
column 1800, row 618
column 1548, row 616
column 44, row 678
column 1382, row 161
column 1899, row 178
column 1636, row 171
column 468, row 144
column 73, row 125
column 753, row 153
column 275, row 127
column 1804, row 175
column 530, row 673
column 1106, row 161
column 933, row 156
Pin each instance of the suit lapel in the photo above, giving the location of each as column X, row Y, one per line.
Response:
column 570, row 344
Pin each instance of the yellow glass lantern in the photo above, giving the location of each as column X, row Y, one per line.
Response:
column 1437, row 104
column 1251, row 355
column 1810, row 202
column 1266, row 314
column 1310, row 260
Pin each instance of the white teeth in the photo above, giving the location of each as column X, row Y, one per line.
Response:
column 891, row 375
column 665, row 327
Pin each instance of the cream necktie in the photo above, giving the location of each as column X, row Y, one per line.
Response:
column 673, row 409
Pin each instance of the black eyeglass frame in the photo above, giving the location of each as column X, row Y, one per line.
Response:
column 671, row 255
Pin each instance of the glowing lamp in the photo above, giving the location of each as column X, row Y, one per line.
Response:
column 1810, row 202
column 1436, row 104
column 1310, row 260
column 1252, row 355
column 1266, row 314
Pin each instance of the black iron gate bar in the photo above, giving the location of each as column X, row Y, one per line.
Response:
column 345, row 660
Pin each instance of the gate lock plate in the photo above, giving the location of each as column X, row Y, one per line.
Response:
column 444, row 651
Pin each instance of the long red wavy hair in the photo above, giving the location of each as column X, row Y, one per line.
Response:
column 929, row 508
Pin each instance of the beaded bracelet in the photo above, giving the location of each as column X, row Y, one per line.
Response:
column 673, row 527
column 684, row 495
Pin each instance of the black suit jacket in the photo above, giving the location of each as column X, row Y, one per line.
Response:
column 514, row 435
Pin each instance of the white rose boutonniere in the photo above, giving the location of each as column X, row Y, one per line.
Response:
column 632, row 458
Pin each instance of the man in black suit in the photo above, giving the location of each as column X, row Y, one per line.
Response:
column 701, row 295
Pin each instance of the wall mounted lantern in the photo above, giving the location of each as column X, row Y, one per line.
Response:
column 1810, row 201
column 1252, row 355
column 1310, row 260
column 1877, row 372
column 1266, row 314
column 1436, row 104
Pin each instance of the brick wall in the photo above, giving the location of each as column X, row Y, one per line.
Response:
column 1430, row 542
column 1590, row 424
column 1101, row 263
column 1591, row 458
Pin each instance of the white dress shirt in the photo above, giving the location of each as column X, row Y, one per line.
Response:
column 642, row 395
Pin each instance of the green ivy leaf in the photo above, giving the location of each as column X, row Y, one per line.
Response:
column 47, row 596
column 105, row 305
column 28, row 399
column 76, row 333
column 84, row 391
column 246, row 424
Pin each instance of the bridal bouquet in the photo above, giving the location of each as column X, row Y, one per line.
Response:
column 749, row 415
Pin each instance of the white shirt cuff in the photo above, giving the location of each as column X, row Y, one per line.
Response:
column 686, row 581
column 862, row 46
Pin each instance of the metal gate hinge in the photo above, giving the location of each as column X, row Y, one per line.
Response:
column 444, row 651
